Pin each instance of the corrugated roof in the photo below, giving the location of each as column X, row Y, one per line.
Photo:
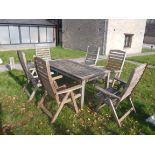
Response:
column 46, row 22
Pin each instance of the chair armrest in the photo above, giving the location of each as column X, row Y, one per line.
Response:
column 32, row 69
column 69, row 89
column 51, row 73
column 57, row 77
column 100, row 66
column 35, row 76
column 116, row 71
column 106, row 92
column 121, row 81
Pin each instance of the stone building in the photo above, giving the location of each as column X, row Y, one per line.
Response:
column 109, row 34
column 149, row 37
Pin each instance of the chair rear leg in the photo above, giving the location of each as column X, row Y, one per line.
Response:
column 40, row 103
column 74, row 102
column 42, row 106
column 114, row 113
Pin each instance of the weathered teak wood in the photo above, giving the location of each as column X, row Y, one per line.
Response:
column 30, row 74
column 43, row 51
column 62, row 95
column 92, row 55
column 113, row 96
column 77, row 71
column 116, row 59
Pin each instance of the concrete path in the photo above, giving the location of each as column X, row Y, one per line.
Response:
column 141, row 54
column 18, row 66
column 7, row 68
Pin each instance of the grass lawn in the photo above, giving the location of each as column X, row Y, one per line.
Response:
column 150, row 59
column 56, row 52
column 19, row 117
column 148, row 50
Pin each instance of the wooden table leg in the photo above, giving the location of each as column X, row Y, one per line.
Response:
column 83, row 93
column 107, row 81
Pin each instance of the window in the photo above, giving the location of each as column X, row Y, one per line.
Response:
column 14, row 34
column 49, row 34
column 25, row 35
column 42, row 33
column 34, row 34
column 4, row 35
column 128, row 40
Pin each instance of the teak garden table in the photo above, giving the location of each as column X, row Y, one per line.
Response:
column 79, row 72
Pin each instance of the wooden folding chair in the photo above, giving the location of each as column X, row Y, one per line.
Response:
column 43, row 51
column 30, row 74
column 113, row 96
column 116, row 59
column 92, row 55
column 62, row 95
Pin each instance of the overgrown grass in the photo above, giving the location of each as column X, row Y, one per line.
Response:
column 56, row 53
column 19, row 117
column 148, row 50
column 150, row 59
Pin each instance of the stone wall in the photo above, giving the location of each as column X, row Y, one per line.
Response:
column 79, row 33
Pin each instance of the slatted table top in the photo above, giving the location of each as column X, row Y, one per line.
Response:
column 77, row 70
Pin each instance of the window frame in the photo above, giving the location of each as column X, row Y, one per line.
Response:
column 129, row 42
column 10, row 35
column 20, row 35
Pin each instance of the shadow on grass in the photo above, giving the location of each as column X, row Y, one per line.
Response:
column 18, row 78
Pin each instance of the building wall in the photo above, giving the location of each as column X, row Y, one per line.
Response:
column 79, row 33
column 116, row 37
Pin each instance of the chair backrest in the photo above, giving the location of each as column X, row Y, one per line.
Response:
column 43, row 70
column 116, row 60
column 22, row 60
column 43, row 51
column 134, row 78
column 92, row 55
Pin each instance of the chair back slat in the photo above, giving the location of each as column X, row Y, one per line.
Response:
column 23, row 62
column 92, row 55
column 134, row 78
column 44, row 74
column 116, row 60
column 43, row 51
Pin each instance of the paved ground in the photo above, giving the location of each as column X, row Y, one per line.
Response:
column 18, row 66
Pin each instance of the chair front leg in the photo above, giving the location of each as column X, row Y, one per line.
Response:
column 60, row 108
column 130, row 101
column 74, row 102
column 114, row 112
column 33, row 93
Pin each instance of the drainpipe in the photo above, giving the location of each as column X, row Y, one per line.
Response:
column 105, row 36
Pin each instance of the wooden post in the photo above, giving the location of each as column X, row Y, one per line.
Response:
column 12, row 63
